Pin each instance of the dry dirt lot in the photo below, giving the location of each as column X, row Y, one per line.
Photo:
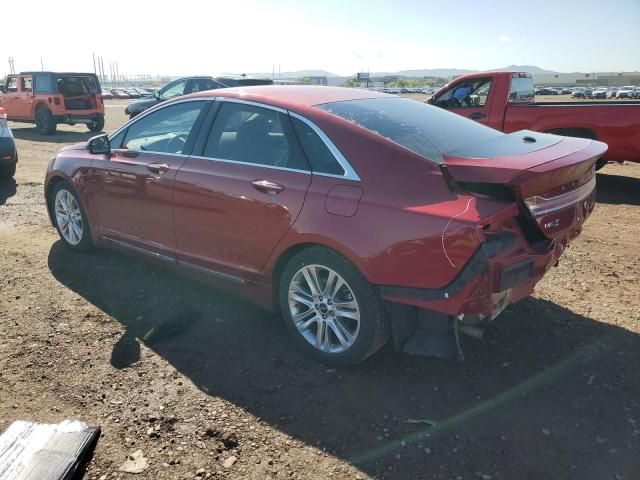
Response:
column 209, row 386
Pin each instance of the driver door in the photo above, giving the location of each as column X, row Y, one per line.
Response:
column 468, row 99
column 133, row 189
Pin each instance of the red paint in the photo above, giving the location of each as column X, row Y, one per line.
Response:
column 617, row 125
column 401, row 226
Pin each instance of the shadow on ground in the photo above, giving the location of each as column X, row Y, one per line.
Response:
column 617, row 189
column 551, row 394
column 31, row 134
column 7, row 190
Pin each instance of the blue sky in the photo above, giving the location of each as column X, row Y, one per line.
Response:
column 339, row 36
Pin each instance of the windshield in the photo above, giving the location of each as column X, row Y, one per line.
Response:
column 424, row 129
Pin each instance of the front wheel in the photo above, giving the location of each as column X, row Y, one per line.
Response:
column 70, row 218
column 45, row 122
column 96, row 126
column 331, row 309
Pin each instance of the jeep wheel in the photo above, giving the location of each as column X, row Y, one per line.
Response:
column 45, row 122
column 96, row 126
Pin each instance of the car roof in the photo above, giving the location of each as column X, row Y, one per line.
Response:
column 292, row 96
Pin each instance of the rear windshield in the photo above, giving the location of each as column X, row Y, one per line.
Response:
column 424, row 129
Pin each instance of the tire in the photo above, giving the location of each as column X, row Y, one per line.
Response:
column 600, row 163
column 96, row 126
column 45, row 122
column 7, row 171
column 85, row 243
column 364, row 337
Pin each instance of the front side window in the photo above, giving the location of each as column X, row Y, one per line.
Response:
column 202, row 84
column 163, row 131
column 472, row 93
column 315, row 150
column 44, row 84
column 426, row 130
column 12, row 84
column 256, row 135
column 173, row 90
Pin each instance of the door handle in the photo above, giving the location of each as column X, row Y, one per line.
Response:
column 477, row 116
column 158, row 167
column 265, row 186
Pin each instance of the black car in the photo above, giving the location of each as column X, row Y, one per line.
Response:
column 8, row 152
column 546, row 91
column 184, row 86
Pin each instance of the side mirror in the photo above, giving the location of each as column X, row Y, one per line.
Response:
column 100, row 144
column 431, row 100
column 156, row 95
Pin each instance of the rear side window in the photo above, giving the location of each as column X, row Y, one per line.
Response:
column 318, row 154
column 26, row 84
column 521, row 90
column 260, row 136
column 424, row 129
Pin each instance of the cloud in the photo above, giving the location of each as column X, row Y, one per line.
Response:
column 504, row 39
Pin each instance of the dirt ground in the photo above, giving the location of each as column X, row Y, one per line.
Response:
column 553, row 393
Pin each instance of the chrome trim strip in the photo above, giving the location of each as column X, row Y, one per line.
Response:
column 349, row 172
column 158, row 107
column 249, row 102
column 144, row 251
column 214, row 273
column 273, row 167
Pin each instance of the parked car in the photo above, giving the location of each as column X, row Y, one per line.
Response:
column 546, row 91
column 106, row 95
column 626, row 92
column 8, row 151
column 50, row 98
column 636, row 92
column 188, row 85
column 578, row 93
column 566, row 91
column 510, row 107
column 119, row 93
column 600, row 92
column 284, row 195
column 612, row 92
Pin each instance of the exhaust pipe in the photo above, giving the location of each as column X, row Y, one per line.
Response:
column 475, row 332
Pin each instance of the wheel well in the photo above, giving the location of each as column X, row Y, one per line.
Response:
column 574, row 132
column 50, row 186
column 282, row 261
column 39, row 106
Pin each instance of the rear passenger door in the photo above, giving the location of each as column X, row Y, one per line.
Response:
column 237, row 196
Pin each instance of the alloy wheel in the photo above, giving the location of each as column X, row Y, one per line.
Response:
column 324, row 308
column 68, row 217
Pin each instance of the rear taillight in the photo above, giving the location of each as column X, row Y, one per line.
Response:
column 541, row 205
column 3, row 114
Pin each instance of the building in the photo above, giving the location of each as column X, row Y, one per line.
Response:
column 606, row 79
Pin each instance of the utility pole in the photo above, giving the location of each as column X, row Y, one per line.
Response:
column 94, row 63
column 41, row 64
column 117, row 74
column 11, row 66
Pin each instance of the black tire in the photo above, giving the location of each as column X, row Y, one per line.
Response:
column 374, row 328
column 600, row 163
column 8, row 171
column 45, row 122
column 96, row 126
column 86, row 243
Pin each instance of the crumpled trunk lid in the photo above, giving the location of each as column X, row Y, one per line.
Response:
column 551, row 177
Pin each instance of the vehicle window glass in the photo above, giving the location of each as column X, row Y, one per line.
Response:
column 201, row 84
column 12, row 86
column 470, row 94
column 424, row 129
column 315, row 150
column 26, row 84
column 116, row 140
column 521, row 90
column 165, row 131
column 173, row 90
column 249, row 134
column 44, row 84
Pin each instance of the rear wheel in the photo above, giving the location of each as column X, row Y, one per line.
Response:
column 8, row 171
column 70, row 218
column 96, row 126
column 333, row 312
column 45, row 122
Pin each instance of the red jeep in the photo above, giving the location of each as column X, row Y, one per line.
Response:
column 48, row 98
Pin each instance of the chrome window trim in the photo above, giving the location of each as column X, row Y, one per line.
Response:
column 250, row 103
column 349, row 172
column 160, row 106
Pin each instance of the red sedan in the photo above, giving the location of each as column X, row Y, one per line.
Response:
column 359, row 215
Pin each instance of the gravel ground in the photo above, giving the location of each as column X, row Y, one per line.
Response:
column 208, row 386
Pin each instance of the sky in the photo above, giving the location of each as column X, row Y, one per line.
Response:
column 190, row 37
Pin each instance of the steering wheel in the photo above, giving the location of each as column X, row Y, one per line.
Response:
column 177, row 143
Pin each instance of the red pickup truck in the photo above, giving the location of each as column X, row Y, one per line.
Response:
column 505, row 101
